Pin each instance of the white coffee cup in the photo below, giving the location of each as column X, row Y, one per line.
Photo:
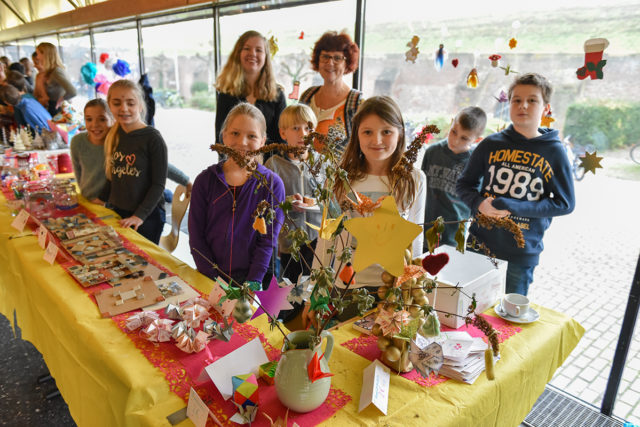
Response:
column 515, row 305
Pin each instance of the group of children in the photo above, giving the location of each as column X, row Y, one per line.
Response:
column 521, row 172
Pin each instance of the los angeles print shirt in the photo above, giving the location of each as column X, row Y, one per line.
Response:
column 138, row 171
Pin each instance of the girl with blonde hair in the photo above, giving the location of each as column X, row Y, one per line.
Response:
column 135, row 163
column 224, row 197
column 248, row 77
column 52, row 84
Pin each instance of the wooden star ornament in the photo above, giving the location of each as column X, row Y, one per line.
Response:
column 382, row 238
column 590, row 162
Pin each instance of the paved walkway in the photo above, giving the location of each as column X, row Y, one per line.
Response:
column 586, row 272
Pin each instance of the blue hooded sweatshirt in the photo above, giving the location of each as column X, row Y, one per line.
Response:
column 531, row 178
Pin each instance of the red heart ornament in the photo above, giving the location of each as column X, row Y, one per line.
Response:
column 131, row 159
column 454, row 62
column 434, row 263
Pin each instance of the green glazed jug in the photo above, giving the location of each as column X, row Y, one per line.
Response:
column 293, row 386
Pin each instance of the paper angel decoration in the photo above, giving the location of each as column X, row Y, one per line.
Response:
column 412, row 54
column 438, row 61
column 472, row 79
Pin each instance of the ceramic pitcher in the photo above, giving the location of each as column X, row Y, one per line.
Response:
column 293, row 386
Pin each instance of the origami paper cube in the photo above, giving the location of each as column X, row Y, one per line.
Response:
column 245, row 390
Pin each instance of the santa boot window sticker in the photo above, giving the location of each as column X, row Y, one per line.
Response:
column 593, row 62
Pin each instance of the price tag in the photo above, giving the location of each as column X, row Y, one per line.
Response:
column 197, row 411
column 42, row 236
column 20, row 220
column 50, row 253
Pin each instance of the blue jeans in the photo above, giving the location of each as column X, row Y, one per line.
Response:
column 519, row 277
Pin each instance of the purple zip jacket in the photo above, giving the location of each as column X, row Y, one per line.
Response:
column 221, row 226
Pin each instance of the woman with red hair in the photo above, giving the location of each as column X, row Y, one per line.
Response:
column 334, row 55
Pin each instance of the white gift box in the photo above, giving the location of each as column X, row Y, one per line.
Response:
column 474, row 274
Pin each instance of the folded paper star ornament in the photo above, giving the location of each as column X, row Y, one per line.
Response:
column 590, row 162
column 382, row 238
column 273, row 299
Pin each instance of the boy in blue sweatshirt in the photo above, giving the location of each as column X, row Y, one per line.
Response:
column 523, row 173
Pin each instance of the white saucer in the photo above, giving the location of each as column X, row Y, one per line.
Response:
column 314, row 208
column 529, row 317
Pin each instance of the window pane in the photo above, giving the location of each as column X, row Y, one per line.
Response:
column 182, row 77
column 49, row 39
column 296, row 35
column 118, row 44
column 75, row 49
column 26, row 49
column 11, row 51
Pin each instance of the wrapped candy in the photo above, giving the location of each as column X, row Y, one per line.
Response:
column 195, row 311
column 143, row 318
column 158, row 331
column 189, row 343
column 178, row 329
column 173, row 312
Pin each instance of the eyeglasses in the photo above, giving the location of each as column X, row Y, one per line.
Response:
column 325, row 57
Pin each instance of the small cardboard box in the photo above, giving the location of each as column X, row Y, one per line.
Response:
column 475, row 274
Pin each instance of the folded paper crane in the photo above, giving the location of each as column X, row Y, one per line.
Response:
column 314, row 369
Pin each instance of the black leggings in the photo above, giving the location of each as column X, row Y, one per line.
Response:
column 151, row 228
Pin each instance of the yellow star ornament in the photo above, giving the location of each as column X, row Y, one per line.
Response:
column 590, row 162
column 382, row 238
column 546, row 121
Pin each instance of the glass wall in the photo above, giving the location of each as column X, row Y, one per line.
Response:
column 11, row 51
column 118, row 42
column 182, row 77
column 578, row 272
column 27, row 47
column 295, row 34
column 75, row 49
column 589, row 257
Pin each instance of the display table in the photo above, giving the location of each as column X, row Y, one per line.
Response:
column 107, row 381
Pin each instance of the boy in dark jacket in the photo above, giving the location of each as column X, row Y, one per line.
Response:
column 523, row 173
column 443, row 163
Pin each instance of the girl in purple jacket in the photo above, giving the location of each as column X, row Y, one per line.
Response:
column 223, row 199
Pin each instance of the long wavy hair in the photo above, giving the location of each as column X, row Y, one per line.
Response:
column 232, row 79
column 112, row 139
column 51, row 59
column 401, row 187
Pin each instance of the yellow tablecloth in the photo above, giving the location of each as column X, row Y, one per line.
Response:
column 107, row 381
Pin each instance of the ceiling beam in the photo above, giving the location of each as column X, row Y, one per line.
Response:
column 99, row 12
column 14, row 11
